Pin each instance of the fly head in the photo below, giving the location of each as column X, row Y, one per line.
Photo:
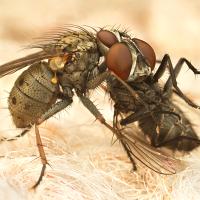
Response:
column 129, row 58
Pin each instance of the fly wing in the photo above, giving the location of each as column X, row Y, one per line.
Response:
column 18, row 64
column 154, row 159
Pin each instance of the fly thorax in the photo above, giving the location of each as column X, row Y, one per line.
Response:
column 78, row 63
column 76, row 71
column 83, row 49
column 70, row 43
column 78, row 42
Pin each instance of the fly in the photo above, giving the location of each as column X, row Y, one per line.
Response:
column 138, row 97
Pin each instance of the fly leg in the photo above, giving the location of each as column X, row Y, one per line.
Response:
column 16, row 137
column 42, row 156
column 176, row 71
column 166, row 63
column 175, row 92
column 142, row 116
column 136, row 116
column 96, row 81
column 93, row 109
column 125, row 146
column 139, row 115
column 127, row 149
column 53, row 110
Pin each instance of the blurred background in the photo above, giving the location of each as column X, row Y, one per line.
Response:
column 171, row 27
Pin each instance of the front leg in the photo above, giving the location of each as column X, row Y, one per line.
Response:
column 93, row 109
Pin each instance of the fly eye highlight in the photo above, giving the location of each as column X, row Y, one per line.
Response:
column 119, row 60
column 107, row 38
column 147, row 51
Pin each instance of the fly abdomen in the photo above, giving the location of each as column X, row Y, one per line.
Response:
column 32, row 95
column 170, row 131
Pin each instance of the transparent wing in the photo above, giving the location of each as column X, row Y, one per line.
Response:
column 151, row 157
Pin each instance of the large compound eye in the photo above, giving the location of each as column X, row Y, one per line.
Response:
column 119, row 60
column 147, row 51
column 107, row 38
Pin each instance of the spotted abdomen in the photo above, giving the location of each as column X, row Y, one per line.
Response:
column 32, row 95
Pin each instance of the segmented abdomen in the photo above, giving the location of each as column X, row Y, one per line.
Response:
column 32, row 95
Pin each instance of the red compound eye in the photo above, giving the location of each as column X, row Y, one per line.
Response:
column 119, row 60
column 107, row 38
column 147, row 52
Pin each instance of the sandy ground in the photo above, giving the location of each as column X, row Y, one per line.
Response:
column 84, row 165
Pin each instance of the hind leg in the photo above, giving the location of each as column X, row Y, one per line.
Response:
column 54, row 109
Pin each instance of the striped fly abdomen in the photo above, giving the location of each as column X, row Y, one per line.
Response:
column 32, row 95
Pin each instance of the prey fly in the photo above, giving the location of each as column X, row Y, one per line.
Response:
column 139, row 97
